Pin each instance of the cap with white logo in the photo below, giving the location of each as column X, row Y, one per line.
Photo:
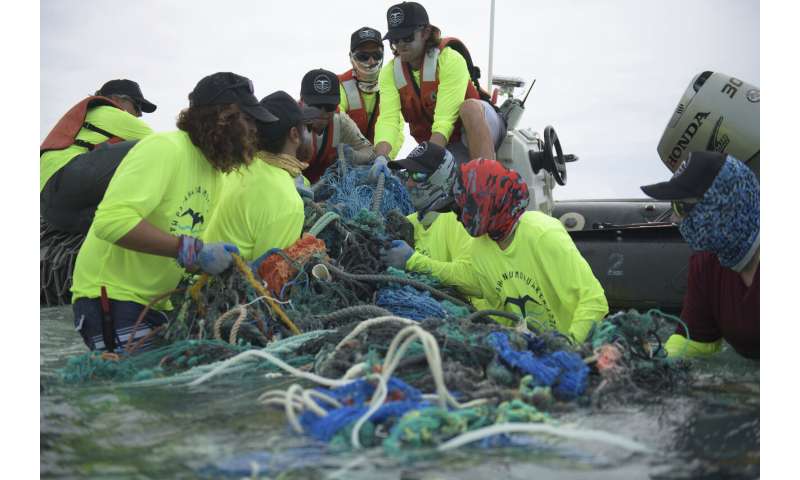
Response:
column 320, row 87
column 404, row 18
column 363, row 36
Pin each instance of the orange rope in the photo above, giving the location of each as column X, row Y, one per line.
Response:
column 245, row 269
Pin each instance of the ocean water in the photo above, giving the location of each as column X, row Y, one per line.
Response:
column 218, row 430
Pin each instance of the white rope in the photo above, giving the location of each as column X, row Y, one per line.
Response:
column 369, row 323
column 404, row 338
column 246, row 355
column 561, row 431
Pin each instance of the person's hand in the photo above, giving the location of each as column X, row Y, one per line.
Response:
column 211, row 258
column 379, row 166
column 397, row 255
column 302, row 189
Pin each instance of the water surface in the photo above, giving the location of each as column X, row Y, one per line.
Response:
column 218, row 430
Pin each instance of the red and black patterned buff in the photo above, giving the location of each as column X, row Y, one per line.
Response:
column 490, row 198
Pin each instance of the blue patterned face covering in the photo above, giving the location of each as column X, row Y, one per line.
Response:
column 726, row 221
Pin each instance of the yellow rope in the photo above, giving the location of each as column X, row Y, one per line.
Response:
column 194, row 291
column 245, row 269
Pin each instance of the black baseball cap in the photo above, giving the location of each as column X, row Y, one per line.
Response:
column 289, row 112
column 692, row 178
column 365, row 35
column 426, row 157
column 402, row 19
column 224, row 88
column 129, row 88
column 320, row 87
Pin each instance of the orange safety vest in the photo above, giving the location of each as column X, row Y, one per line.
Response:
column 323, row 158
column 418, row 103
column 66, row 130
column 356, row 108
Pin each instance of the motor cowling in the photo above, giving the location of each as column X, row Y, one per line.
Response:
column 718, row 113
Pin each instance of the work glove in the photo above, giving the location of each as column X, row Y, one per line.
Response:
column 397, row 255
column 379, row 166
column 211, row 258
column 302, row 189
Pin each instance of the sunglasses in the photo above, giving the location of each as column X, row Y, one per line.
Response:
column 682, row 208
column 407, row 39
column 364, row 57
column 417, row 177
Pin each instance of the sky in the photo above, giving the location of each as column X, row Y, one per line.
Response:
column 609, row 73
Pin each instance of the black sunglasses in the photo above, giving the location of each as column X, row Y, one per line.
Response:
column 682, row 208
column 407, row 39
column 364, row 57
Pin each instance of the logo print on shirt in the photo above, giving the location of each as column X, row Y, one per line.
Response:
column 520, row 303
column 197, row 217
column 189, row 217
column 395, row 17
column 322, row 84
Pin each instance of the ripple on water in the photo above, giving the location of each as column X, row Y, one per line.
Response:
column 181, row 432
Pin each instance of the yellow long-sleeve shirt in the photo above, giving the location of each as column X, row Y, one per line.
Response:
column 259, row 209
column 165, row 180
column 453, row 80
column 541, row 276
column 111, row 119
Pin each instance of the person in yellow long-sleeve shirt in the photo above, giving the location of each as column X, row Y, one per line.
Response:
column 260, row 208
column 521, row 262
column 439, row 238
column 156, row 209
column 83, row 150
column 430, row 83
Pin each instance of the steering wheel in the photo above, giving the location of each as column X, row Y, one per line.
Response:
column 554, row 164
column 545, row 159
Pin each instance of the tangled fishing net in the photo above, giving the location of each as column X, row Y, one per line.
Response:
column 382, row 357
column 58, row 251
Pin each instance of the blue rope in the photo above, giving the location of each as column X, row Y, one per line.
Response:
column 409, row 302
column 564, row 371
column 401, row 398
column 353, row 192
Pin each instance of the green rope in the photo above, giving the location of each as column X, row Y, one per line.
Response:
column 323, row 222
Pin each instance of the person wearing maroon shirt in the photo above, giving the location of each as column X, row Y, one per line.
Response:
column 716, row 199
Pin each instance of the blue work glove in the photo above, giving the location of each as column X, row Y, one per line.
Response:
column 379, row 166
column 302, row 189
column 398, row 255
column 211, row 258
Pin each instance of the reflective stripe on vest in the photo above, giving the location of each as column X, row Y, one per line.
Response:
column 399, row 78
column 353, row 95
column 418, row 104
column 430, row 65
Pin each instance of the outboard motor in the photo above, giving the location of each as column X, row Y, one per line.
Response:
column 717, row 113
column 540, row 160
